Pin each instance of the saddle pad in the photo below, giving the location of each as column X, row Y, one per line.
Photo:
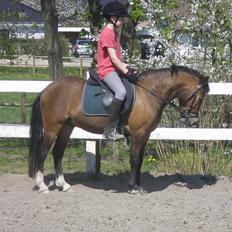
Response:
column 92, row 104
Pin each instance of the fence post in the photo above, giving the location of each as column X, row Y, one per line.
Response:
column 81, row 67
column 33, row 64
column 93, row 157
column 98, row 157
column 22, row 108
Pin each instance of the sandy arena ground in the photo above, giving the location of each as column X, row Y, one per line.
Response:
column 175, row 203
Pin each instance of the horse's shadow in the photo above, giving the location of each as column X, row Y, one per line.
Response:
column 150, row 183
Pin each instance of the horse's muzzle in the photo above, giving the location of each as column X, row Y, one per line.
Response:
column 189, row 121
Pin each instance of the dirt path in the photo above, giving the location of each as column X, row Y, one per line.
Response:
column 173, row 203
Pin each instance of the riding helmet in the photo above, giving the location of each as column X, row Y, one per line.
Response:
column 115, row 8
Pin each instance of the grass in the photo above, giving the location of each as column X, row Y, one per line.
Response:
column 115, row 159
column 14, row 152
column 187, row 157
column 12, row 114
column 13, row 159
column 25, row 73
column 14, row 155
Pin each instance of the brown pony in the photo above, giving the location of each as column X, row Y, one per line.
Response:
column 58, row 109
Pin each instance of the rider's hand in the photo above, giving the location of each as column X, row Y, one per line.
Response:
column 132, row 75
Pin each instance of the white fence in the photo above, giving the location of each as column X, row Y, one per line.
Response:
column 22, row 130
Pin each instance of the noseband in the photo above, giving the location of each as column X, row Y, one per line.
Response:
column 188, row 113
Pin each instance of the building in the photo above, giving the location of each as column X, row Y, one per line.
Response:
column 21, row 20
column 24, row 19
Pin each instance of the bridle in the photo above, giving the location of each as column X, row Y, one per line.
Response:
column 185, row 113
column 188, row 113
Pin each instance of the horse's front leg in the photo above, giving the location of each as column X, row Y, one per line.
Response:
column 138, row 176
column 136, row 159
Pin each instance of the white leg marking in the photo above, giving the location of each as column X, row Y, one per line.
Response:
column 61, row 183
column 39, row 179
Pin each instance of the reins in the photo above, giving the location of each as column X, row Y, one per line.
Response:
column 173, row 105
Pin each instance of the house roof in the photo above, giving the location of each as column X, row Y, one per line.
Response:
column 69, row 12
column 11, row 11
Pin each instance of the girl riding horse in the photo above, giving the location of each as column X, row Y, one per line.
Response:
column 110, row 64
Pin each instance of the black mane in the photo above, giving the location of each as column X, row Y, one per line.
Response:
column 176, row 68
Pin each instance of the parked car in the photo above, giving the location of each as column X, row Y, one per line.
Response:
column 188, row 44
column 83, row 47
column 146, row 50
column 144, row 38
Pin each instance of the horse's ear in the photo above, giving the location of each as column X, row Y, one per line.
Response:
column 206, row 78
column 174, row 70
column 205, row 84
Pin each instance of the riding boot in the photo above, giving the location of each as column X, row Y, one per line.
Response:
column 110, row 129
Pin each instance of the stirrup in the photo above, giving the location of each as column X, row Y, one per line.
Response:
column 113, row 135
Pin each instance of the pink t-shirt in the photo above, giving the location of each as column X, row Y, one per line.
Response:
column 107, row 39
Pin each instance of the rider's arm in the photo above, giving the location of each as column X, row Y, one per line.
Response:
column 117, row 62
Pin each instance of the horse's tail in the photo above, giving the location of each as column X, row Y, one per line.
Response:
column 36, row 137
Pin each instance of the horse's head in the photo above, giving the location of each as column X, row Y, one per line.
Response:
column 192, row 96
column 186, row 84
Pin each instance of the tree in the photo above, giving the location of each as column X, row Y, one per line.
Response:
column 129, row 39
column 212, row 23
column 128, row 32
column 94, row 15
column 50, row 17
column 206, row 27
column 95, row 19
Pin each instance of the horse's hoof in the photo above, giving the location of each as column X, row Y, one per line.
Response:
column 62, row 186
column 66, row 188
column 70, row 190
column 136, row 190
column 43, row 190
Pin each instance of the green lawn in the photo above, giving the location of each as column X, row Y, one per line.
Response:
column 11, row 114
column 25, row 73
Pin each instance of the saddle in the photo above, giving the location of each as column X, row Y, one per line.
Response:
column 97, row 96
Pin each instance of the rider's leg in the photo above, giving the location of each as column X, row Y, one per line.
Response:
column 115, row 84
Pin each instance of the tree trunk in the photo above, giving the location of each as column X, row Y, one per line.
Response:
column 128, row 38
column 95, row 17
column 95, row 20
column 50, row 17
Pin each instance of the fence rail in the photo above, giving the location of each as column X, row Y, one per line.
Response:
column 22, row 130
column 38, row 86
column 159, row 133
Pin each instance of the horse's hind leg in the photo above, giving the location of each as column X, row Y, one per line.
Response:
column 39, row 176
column 58, row 152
